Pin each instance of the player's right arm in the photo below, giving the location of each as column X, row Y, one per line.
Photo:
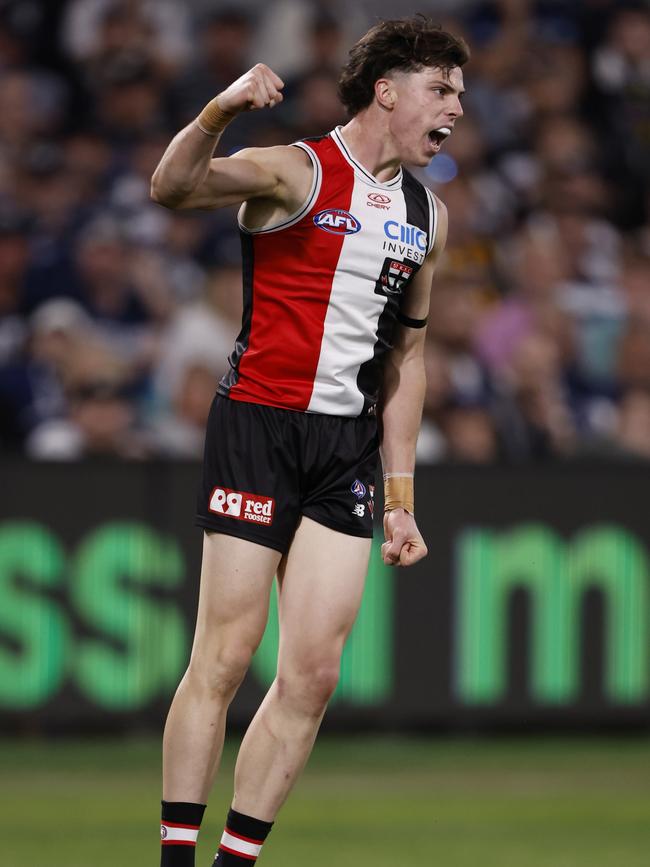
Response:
column 189, row 177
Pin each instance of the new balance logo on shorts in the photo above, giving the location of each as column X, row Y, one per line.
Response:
column 243, row 506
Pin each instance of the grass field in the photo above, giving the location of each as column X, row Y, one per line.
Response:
column 362, row 801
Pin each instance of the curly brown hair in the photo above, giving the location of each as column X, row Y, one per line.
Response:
column 407, row 44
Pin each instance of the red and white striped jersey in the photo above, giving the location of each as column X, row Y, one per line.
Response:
column 323, row 289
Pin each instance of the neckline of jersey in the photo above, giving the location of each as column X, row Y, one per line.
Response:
column 394, row 183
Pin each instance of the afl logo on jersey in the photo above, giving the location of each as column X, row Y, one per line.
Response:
column 337, row 221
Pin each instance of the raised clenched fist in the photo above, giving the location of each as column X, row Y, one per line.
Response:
column 260, row 87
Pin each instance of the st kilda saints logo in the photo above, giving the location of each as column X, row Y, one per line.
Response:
column 394, row 276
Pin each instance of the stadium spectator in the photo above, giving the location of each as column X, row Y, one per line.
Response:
column 223, row 42
column 180, row 432
column 63, row 353
column 101, row 424
column 94, row 31
column 123, row 289
column 193, row 351
column 289, row 36
column 470, row 434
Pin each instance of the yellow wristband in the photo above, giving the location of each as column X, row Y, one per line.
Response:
column 213, row 119
column 398, row 492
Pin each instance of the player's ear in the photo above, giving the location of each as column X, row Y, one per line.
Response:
column 386, row 93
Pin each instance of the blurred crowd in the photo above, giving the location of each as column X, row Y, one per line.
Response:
column 117, row 316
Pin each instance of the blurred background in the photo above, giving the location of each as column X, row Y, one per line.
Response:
column 531, row 614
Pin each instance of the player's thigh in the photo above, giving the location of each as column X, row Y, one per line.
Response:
column 321, row 585
column 236, row 579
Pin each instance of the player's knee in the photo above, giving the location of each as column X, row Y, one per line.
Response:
column 310, row 689
column 320, row 682
column 221, row 673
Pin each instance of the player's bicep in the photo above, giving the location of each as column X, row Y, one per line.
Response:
column 232, row 180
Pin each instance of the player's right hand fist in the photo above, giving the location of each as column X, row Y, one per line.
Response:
column 260, row 87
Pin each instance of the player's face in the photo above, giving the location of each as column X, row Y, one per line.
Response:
column 426, row 109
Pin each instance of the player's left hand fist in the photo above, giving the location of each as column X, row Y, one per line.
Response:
column 404, row 544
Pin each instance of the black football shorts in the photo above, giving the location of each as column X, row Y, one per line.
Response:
column 265, row 467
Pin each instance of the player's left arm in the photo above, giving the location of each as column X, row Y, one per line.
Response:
column 400, row 413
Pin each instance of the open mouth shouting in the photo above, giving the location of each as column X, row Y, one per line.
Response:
column 437, row 136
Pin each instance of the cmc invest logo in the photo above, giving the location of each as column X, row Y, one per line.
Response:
column 337, row 221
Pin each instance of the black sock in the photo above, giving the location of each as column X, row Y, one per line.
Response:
column 179, row 829
column 242, row 840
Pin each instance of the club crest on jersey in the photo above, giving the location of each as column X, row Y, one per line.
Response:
column 358, row 489
column 394, row 276
column 337, row 221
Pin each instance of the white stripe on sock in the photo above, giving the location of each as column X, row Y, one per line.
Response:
column 240, row 845
column 186, row 834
